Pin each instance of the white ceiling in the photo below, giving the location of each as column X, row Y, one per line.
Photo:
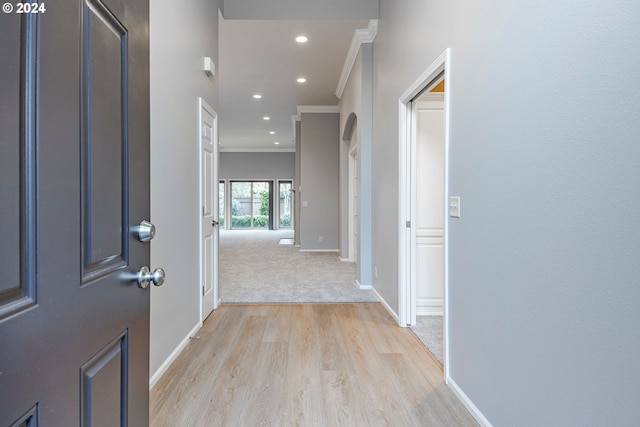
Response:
column 263, row 57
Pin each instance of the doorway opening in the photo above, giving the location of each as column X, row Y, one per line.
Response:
column 424, row 142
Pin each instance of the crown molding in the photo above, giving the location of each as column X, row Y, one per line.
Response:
column 302, row 109
column 257, row 150
column 359, row 37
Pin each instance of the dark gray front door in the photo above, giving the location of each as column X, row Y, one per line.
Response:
column 74, row 182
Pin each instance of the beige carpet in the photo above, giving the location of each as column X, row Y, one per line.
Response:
column 256, row 268
column 429, row 330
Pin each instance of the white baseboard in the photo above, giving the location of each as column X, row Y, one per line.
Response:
column 473, row 409
column 172, row 357
column 429, row 311
column 387, row 306
column 363, row 287
column 319, row 250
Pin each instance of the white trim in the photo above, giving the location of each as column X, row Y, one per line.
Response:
column 473, row 409
column 359, row 37
column 294, row 119
column 429, row 311
column 364, row 287
column 352, row 167
column 318, row 109
column 172, row 357
column 385, row 305
column 257, row 150
column 320, row 250
column 407, row 297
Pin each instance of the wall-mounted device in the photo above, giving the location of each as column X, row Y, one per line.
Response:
column 209, row 66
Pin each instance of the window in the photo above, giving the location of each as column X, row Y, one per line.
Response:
column 285, row 206
column 221, row 203
column 250, row 204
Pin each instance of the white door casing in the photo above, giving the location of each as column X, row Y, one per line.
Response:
column 354, row 223
column 209, row 210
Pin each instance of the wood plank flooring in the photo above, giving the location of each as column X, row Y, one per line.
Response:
column 305, row 365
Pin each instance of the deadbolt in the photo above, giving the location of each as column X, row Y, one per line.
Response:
column 146, row 231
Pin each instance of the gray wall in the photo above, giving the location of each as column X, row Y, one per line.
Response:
column 300, row 9
column 544, row 290
column 180, row 38
column 257, row 165
column 357, row 98
column 319, row 178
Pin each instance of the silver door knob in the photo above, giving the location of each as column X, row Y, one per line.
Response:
column 146, row 231
column 145, row 276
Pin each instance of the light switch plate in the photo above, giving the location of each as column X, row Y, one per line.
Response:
column 454, row 207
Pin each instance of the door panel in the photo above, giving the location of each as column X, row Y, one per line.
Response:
column 17, row 162
column 429, row 238
column 75, row 143
column 104, row 385
column 104, row 142
column 210, row 210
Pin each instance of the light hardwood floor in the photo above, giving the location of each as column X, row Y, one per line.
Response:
column 305, row 365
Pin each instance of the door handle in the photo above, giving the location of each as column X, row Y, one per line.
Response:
column 145, row 276
column 215, row 223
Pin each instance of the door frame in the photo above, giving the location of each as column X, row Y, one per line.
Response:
column 407, row 197
column 354, row 151
column 203, row 105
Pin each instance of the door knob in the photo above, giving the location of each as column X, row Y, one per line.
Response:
column 145, row 276
column 214, row 223
column 146, row 231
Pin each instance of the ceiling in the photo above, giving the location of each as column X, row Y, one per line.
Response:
column 262, row 57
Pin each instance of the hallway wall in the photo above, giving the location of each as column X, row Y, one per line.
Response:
column 237, row 165
column 357, row 99
column 544, row 295
column 180, row 38
column 319, row 180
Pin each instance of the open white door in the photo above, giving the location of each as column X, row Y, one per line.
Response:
column 209, row 208
column 424, row 237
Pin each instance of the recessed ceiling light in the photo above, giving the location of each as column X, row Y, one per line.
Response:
column 266, row 118
column 272, row 133
column 257, row 96
column 276, row 143
column 301, row 80
column 301, row 39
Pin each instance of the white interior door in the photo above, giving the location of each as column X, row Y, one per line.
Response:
column 209, row 202
column 429, row 237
